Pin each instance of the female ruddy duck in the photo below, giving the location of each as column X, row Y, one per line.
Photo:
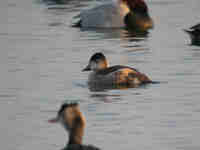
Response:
column 70, row 116
column 194, row 33
column 114, row 15
column 113, row 76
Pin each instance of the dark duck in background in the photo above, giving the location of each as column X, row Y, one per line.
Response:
column 194, row 33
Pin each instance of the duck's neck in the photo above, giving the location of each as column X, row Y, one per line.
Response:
column 100, row 66
column 77, row 132
column 124, row 9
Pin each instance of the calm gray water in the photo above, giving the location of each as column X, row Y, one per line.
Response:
column 41, row 58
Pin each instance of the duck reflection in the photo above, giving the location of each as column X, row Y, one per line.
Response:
column 106, row 98
column 103, row 87
column 122, row 33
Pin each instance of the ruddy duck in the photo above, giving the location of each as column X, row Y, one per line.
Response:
column 70, row 116
column 194, row 33
column 115, row 75
column 113, row 15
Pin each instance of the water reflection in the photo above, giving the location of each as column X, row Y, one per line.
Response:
column 55, row 24
column 106, row 98
column 103, row 87
column 105, row 33
column 100, row 88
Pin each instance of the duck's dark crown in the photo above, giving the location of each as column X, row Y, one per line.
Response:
column 97, row 56
column 65, row 106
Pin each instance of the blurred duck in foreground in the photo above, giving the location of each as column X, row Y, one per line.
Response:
column 132, row 14
column 70, row 116
column 194, row 33
column 103, row 75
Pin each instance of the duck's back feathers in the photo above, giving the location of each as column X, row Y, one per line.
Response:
column 103, row 16
column 119, row 75
column 193, row 30
column 139, row 78
column 196, row 27
column 113, row 69
column 80, row 147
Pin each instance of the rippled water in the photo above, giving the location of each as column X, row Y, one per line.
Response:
column 41, row 58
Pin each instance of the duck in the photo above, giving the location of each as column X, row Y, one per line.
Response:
column 103, row 75
column 73, row 121
column 194, row 33
column 117, row 14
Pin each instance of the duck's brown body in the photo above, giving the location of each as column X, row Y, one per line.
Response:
column 118, row 75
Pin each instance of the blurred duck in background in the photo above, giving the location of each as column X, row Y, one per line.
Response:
column 194, row 33
column 132, row 14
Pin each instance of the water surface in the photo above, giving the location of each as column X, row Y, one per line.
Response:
column 41, row 59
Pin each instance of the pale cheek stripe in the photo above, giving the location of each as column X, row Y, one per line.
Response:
column 124, row 9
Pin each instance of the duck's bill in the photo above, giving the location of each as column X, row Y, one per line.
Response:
column 187, row 31
column 54, row 120
column 87, row 68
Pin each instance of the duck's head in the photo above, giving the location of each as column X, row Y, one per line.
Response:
column 136, row 5
column 70, row 116
column 139, row 14
column 97, row 62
